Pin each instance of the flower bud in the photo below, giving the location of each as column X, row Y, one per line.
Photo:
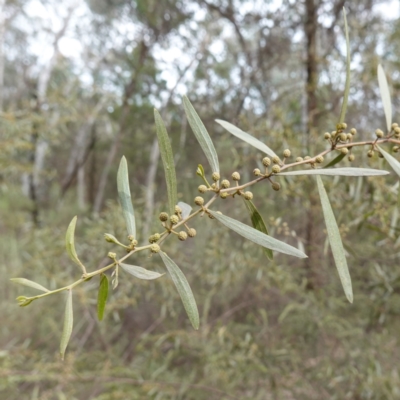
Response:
column 257, row 172
column 236, row 176
column 248, row 195
column 155, row 248
column 344, row 150
column 319, row 159
column 112, row 255
column 395, row 149
column 379, row 133
column 182, row 235
column 110, row 238
column 327, row 135
column 343, row 137
column 163, row 217
column 225, row 184
column 223, row 195
column 199, row 201
column 202, row 188
column 299, row 159
column 353, row 131
column 395, row 125
column 174, row 219
column 276, row 169
column 287, row 153
column 178, row 210
column 215, row 176
column 370, row 153
column 276, row 186
column 192, row 232
column 266, row 161
column 276, row 160
column 351, row 157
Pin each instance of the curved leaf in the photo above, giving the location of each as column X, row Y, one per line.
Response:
column 124, row 195
column 183, row 289
column 68, row 324
column 385, row 94
column 257, row 237
column 201, row 134
column 140, row 272
column 102, row 296
column 70, row 243
column 235, row 131
column 335, row 241
column 393, row 162
column 168, row 161
column 335, row 160
column 27, row 282
column 258, row 223
column 337, row 172
column 347, row 84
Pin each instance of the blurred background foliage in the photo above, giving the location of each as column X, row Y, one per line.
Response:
column 78, row 83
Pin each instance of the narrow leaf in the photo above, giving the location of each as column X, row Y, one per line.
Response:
column 168, row 161
column 124, row 194
column 68, row 324
column 257, row 237
column 183, row 289
column 335, row 160
column 102, row 296
column 186, row 209
column 347, row 84
column 235, row 131
column 385, row 94
column 393, row 162
column 70, row 243
column 27, row 282
column 201, row 134
column 337, row 172
column 140, row 272
column 258, row 223
column 335, row 241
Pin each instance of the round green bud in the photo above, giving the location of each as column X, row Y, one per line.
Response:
column 131, row 238
column 213, row 186
column 266, row 161
column 182, row 235
column 351, row 157
column 319, row 159
column 202, row 188
column 353, row 131
column 178, row 210
column 151, row 239
column 276, row 160
column 192, row 232
column 174, row 219
column 223, row 195
column 343, row 125
column 257, row 172
column 236, row 176
column 248, row 195
column 379, row 133
column 225, row 184
column 112, row 255
column 299, row 159
column 306, row 158
column 327, row 135
column 156, row 237
column 397, row 129
column 198, row 201
column 276, row 169
column 395, row 125
column 215, row 176
column 110, row 238
column 349, row 136
column 276, row 186
column 134, row 243
column 287, row 153
column 163, row 217
column 343, row 137
column 155, row 248
column 345, row 150
column 395, row 149
column 370, row 153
